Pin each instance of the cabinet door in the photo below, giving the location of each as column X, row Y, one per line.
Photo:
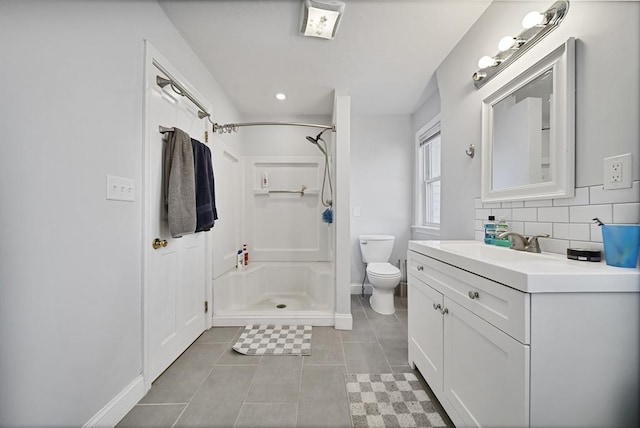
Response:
column 425, row 326
column 486, row 375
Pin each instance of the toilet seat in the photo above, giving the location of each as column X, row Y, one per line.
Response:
column 382, row 270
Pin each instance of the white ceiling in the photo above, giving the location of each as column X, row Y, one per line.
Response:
column 384, row 54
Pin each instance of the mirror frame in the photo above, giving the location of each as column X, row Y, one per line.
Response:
column 562, row 139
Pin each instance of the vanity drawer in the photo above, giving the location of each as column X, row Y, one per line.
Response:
column 504, row 307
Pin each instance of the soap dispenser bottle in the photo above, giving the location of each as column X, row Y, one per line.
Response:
column 501, row 227
column 490, row 230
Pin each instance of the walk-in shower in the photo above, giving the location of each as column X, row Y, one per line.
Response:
column 288, row 199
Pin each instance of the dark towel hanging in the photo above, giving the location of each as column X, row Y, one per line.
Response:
column 206, row 212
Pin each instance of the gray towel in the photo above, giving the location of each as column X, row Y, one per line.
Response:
column 179, row 183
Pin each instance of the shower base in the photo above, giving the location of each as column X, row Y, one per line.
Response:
column 275, row 293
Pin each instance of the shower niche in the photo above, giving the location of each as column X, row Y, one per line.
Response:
column 283, row 209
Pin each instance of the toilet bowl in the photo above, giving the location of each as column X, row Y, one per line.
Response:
column 383, row 276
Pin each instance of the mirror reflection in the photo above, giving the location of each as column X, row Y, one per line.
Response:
column 522, row 134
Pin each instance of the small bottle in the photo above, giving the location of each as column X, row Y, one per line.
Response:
column 240, row 261
column 490, row 230
column 501, row 227
column 245, row 254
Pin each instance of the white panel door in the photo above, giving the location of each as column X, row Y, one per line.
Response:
column 486, row 378
column 426, row 331
column 175, row 283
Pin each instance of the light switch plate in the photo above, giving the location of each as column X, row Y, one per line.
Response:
column 617, row 172
column 120, row 189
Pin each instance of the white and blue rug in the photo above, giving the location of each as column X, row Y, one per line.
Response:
column 390, row 400
column 274, row 340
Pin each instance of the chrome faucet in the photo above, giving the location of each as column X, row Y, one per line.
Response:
column 523, row 243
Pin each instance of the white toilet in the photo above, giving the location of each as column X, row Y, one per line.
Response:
column 383, row 276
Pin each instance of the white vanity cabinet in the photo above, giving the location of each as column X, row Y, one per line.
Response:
column 499, row 348
column 460, row 353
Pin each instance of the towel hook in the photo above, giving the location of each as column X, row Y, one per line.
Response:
column 471, row 151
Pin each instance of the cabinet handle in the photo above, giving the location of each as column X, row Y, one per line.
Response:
column 444, row 311
column 436, row 307
column 420, row 268
column 473, row 295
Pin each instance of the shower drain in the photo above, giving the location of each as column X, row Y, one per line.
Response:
column 281, row 306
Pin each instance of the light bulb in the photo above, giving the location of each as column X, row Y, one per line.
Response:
column 280, row 96
column 506, row 43
column 532, row 19
column 486, row 61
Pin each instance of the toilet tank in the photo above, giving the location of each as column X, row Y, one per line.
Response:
column 376, row 248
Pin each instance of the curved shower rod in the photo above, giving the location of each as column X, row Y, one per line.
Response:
column 233, row 127
column 229, row 127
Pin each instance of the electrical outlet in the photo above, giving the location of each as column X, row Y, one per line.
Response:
column 120, row 189
column 617, row 172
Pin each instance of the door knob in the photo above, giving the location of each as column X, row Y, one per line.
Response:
column 157, row 243
column 473, row 295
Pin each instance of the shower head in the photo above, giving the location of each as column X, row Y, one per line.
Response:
column 315, row 141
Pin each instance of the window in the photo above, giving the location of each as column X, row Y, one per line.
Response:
column 429, row 148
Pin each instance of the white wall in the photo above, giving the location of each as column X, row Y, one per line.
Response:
column 607, row 96
column 71, row 113
column 342, row 158
column 381, row 183
column 430, row 109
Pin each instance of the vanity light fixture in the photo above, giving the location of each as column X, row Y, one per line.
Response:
column 536, row 25
column 321, row 18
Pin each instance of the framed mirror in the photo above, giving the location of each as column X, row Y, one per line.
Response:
column 528, row 132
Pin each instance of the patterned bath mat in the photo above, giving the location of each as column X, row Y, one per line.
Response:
column 275, row 340
column 390, row 400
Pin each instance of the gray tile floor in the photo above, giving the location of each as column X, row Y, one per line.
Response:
column 211, row 385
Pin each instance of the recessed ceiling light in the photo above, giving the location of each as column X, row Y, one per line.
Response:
column 281, row 96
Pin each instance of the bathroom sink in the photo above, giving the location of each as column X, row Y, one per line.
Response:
column 530, row 272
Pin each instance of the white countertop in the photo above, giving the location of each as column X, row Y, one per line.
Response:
column 531, row 272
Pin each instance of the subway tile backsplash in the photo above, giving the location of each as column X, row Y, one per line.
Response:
column 569, row 220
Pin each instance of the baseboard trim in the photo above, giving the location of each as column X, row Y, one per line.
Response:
column 357, row 288
column 238, row 320
column 343, row 322
column 119, row 406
